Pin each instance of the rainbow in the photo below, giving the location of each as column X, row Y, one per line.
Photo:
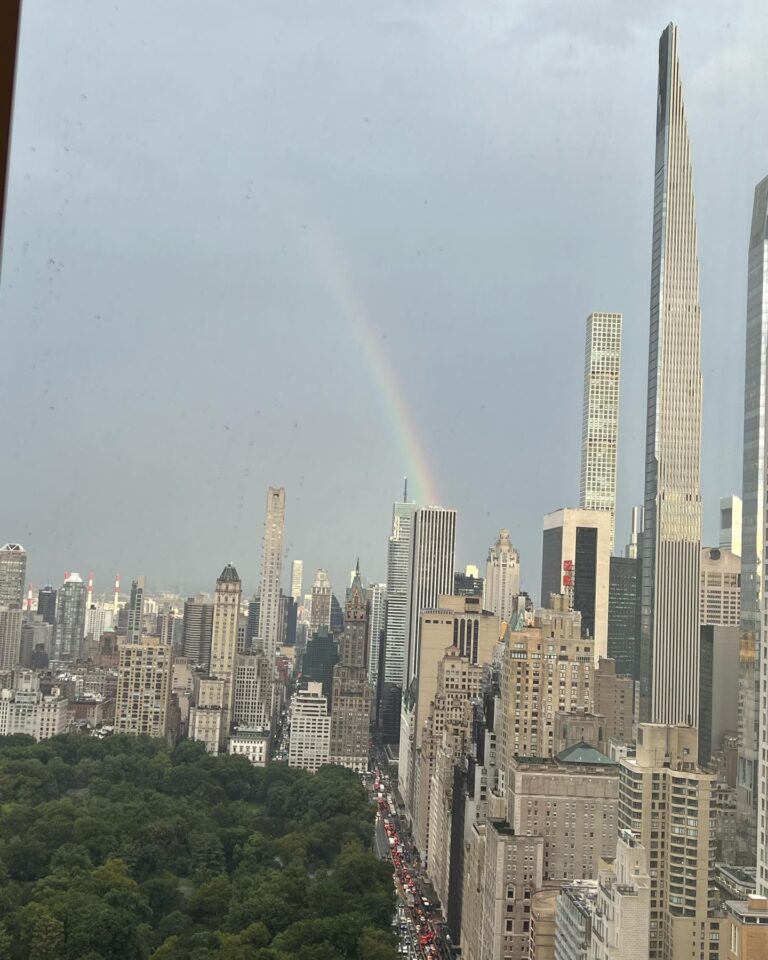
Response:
column 338, row 282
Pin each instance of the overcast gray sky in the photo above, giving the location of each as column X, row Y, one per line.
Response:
column 296, row 243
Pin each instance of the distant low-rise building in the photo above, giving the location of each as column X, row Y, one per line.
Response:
column 25, row 708
column 251, row 744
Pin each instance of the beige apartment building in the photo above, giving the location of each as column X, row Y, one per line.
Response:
column 441, row 812
column 503, row 873
column 206, row 716
column 226, row 616
column 572, row 802
column 448, row 723
column 459, row 622
column 543, row 907
column 143, row 688
column 24, row 708
column 665, row 800
column 546, row 668
column 614, row 700
column 745, row 929
column 310, row 740
column 621, row 923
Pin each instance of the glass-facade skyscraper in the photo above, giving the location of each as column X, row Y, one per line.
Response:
column 671, row 545
column 752, row 775
column 399, row 563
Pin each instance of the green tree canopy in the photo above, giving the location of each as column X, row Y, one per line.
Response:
column 121, row 849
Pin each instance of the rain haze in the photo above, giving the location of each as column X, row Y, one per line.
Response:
column 324, row 246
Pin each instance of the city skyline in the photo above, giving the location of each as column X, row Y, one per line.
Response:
column 63, row 530
column 571, row 766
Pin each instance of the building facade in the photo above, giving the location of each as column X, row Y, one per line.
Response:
column 665, row 801
column 11, row 626
column 352, row 696
column 720, row 593
column 576, row 557
column 297, row 578
column 456, row 621
column 574, row 913
column 502, row 578
column 271, row 572
column 377, row 598
column 731, row 512
column 197, row 629
column 310, row 740
column 621, row 922
column 13, row 574
column 434, row 543
column 446, row 733
column 600, row 419
column 320, row 616
column 545, row 669
column 399, row 567
column 572, row 802
column 24, row 708
column 253, row 676
column 226, row 613
column 136, row 611
column 46, row 603
column 70, row 618
column 624, row 615
column 745, row 934
column 669, row 675
column 143, row 688
column 753, row 723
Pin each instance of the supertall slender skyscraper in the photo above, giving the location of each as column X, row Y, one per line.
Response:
column 752, row 774
column 669, row 669
column 600, row 423
column 271, row 572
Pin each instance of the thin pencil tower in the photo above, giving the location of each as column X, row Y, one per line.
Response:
column 672, row 536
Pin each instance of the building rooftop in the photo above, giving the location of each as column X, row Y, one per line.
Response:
column 583, row 893
column 229, row 574
column 753, row 910
column 585, row 754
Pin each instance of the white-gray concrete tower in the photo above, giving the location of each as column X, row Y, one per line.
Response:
column 600, row 417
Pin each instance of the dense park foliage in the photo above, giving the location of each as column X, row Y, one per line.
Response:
column 120, row 848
